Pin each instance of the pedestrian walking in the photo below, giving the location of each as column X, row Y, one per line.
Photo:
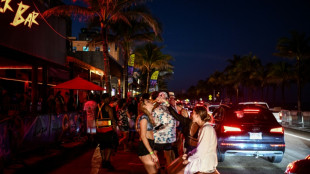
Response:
column 106, row 131
column 90, row 107
column 144, row 124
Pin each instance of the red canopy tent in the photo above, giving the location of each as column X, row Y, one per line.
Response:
column 79, row 84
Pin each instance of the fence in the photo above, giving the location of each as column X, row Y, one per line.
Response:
column 291, row 118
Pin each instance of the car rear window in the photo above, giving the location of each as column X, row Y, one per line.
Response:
column 245, row 117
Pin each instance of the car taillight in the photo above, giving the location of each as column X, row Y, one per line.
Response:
column 277, row 130
column 251, row 111
column 230, row 129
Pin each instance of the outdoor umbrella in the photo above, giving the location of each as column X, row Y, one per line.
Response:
column 79, row 84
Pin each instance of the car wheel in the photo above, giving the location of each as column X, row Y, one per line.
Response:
column 220, row 156
column 275, row 159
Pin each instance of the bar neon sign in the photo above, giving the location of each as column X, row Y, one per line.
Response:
column 19, row 19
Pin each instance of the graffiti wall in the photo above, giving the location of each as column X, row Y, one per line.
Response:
column 24, row 134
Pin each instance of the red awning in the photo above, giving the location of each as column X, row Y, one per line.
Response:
column 80, row 84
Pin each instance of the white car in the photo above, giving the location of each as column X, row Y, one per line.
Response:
column 276, row 111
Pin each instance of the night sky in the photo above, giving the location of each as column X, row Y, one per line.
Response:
column 202, row 35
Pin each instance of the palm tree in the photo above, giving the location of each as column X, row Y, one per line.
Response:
column 217, row 80
column 280, row 73
column 106, row 12
column 126, row 36
column 150, row 58
column 233, row 78
column 298, row 48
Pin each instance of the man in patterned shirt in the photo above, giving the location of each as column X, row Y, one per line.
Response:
column 165, row 129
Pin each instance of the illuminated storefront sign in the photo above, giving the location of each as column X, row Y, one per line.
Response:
column 20, row 13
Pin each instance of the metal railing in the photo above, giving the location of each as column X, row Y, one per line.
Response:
column 291, row 118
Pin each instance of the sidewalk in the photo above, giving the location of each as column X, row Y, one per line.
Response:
column 74, row 157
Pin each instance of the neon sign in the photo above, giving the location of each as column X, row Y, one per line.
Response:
column 19, row 19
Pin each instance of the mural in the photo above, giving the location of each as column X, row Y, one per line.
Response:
column 24, row 134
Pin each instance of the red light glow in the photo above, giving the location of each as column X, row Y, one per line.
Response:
column 277, row 145
column 251, row 111
column 230, row 144
column 277, row 130
column 231, row 129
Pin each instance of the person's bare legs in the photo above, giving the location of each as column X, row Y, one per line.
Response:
column 124, row 140
column 149, row 165
column 169, row 155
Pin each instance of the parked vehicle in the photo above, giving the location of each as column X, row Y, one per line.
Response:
column 244, row 130
column 212, row 107
column 275, row 111
column 299, row 166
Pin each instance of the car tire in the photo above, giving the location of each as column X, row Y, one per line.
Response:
column 275, row 159
column 220, row 156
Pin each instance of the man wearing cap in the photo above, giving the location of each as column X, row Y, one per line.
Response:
column 165, row 129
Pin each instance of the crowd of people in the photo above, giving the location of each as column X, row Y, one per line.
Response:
column 166, row 133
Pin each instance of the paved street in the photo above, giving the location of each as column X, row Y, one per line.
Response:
column 81, row 158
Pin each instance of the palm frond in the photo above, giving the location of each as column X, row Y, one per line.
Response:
column 70, row 10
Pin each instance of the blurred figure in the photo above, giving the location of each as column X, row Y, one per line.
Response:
column 51, row 103
column 60, row 102
column 144, row 124
column 133, row 112
column 113, row 104
column 123, row 123
column 90, row 107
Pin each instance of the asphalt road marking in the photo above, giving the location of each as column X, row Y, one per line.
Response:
column 307, row 139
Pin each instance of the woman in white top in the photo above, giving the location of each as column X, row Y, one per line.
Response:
column 203, row 159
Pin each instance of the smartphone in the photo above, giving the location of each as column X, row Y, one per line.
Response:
column 159, row 126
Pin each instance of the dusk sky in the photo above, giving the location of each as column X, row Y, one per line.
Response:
column 202, row 35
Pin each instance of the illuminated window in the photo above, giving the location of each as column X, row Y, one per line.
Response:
column 97, row 49
column 108, row 49
column 85, row 48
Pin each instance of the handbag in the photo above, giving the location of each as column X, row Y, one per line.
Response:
column 176, row 166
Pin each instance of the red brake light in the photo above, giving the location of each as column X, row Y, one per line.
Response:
column 277, row 130
column 251, row 111
column 231, row 129
column 239, row 114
